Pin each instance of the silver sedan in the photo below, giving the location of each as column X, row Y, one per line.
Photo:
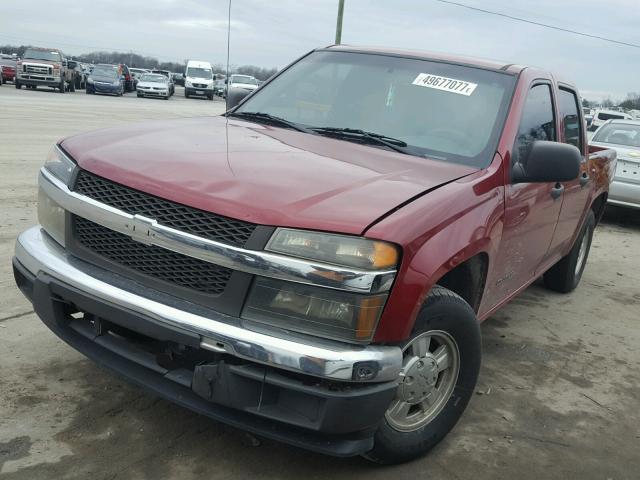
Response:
column 624, row 137
column 153, row 85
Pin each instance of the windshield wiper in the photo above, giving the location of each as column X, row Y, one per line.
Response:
column 390, row 142
column 269, row 118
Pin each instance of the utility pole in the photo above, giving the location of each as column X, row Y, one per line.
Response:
column 339, row 22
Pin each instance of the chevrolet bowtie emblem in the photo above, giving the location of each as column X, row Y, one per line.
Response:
column 140, row 228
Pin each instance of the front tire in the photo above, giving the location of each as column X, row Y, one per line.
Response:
column 565, row 275
column 441, row 365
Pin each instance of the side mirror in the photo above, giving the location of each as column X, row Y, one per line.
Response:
column 235, row 96
column 548, row 162
column 64, row 63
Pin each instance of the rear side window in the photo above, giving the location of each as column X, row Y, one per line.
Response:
column 571, row 125
column 537, row 122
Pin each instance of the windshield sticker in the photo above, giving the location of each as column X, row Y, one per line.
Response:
column 445, row 84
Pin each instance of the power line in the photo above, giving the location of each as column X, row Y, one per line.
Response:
column 539, row 24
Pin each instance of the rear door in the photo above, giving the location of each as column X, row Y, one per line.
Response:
column 531, row 209
column 576, row 192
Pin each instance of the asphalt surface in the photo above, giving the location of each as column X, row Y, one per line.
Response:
column 557, row 396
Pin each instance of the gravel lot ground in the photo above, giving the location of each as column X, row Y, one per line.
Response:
column 557, row 397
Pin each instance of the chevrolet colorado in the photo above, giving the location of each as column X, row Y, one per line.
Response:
column 313, row 265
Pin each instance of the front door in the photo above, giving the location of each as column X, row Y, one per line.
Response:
column 531, row 209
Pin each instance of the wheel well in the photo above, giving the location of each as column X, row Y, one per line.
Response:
column 598, row 206
column 468, row 279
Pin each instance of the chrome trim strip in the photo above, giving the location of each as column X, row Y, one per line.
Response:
column 37, row 252
column 266, row 264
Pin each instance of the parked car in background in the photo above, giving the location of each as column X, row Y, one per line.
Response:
column 314, row 265
column 79, row 75
column 600, row 116
column 106, row 79
column 153, row 85
column 624, row 137
column 245, row 82
column 44, row 67
column 219, row 87
column 136, row 73
column 199, row 79
column 129, row 85
column 7, row 68
column 167, row 73
column 7, row 71
column 178, row 79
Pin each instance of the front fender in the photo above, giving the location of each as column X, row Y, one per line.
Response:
column 438, row 232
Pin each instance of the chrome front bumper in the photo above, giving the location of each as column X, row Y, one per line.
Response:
column 38, row 253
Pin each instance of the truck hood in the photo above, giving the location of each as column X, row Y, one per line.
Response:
column 261, row 174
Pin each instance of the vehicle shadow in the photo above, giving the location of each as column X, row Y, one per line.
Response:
column 615, row 216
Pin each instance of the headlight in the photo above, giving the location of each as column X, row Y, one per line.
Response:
column 314, row 310
column 60, row 165
column 337, row 249
column 188, row 84
column 89, row 80
column 116, row 83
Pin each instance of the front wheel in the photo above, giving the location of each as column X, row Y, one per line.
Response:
column 18, row 86
column 441, row 362
column 565, row 275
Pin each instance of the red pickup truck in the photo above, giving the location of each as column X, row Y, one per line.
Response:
column 313, row 265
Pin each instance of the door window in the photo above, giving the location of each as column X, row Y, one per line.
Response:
column 537, row 122
column 571, row 124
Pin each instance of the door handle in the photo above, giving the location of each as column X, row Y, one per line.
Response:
column 584, row 179
column 557, row 190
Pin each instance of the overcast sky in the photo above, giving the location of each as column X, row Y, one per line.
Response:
column 272, row 33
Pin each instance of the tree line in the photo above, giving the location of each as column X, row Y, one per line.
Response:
column 141, row 61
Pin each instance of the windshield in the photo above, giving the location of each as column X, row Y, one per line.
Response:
column 151, row 77
column 619, row 134
column 244, row 79
column 196, row 72
column 444, row 111
column 42, row 55
column 104, row 71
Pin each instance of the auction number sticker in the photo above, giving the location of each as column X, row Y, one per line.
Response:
column 445, row 84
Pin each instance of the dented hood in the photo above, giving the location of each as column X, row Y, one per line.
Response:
column 259, row 173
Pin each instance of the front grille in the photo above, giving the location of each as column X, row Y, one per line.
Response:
column 37, row 69
column 151, row 260
column 187, row 219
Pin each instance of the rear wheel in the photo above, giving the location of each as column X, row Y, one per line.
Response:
column 565, row 275
column 72, row 87
column 61, row 86
column 441, row 362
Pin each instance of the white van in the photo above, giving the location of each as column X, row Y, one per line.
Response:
column 198, row 79
column 601, row 116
